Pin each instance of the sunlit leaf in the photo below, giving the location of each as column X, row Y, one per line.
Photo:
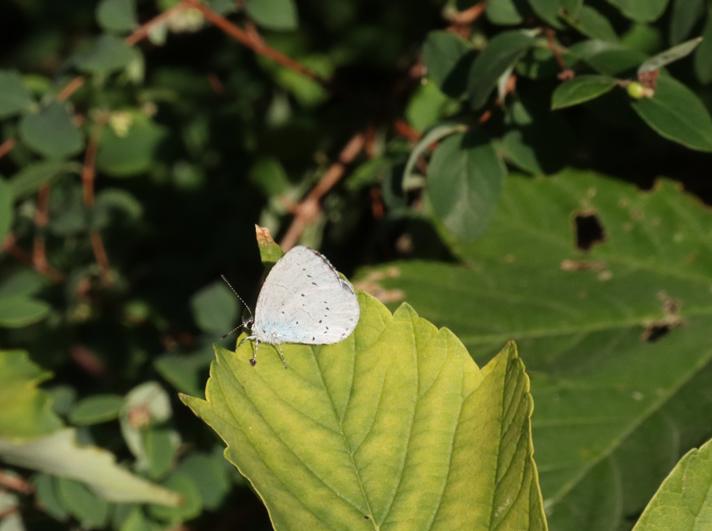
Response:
column 683, row 499
column 597, row 315
column 396, row 426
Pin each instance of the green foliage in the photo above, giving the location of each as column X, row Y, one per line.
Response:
column 273, row 14
column 117, row 15
column 599, row 309
column 311, row 439
column 676, row 113
column 140, row 142
column 14, row 96
column 104, row 55
column 580, row 90
column 464, row 182
column 51, row 132
column 96, row 409
column 27, row 410
column 682, row 499
column 129, row 147
column 501, row 54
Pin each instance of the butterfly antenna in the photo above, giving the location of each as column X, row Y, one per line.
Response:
column 252, row 317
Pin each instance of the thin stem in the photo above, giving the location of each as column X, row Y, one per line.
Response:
column 15, row 483
column 255, row 43
column 308, row 209
column 88, row 178
column 7, row 146
column 10, row 246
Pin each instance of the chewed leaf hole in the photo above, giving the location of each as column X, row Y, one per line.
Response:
column 655, row 331
column 671, row 319
column 589, row 230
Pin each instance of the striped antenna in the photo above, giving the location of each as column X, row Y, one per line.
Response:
column 252, row 317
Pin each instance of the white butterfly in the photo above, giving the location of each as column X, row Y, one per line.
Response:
column 303, row 300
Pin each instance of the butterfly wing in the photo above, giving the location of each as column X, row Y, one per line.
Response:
column 304, row 300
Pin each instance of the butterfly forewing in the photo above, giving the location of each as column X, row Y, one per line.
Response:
column 304, row 300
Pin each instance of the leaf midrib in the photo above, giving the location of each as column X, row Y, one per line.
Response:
column 345, row 440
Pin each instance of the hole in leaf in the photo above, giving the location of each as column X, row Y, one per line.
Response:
column 655, row 331
column 671, row 319
column 589, row 230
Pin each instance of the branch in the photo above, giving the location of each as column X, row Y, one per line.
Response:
column 10, row 246
column 255, row 43
column 39, row 253
column 88, row 178
column 15, row 483
column 137, row 36
column 555, row 48
column 7, row 146
column 308, row 209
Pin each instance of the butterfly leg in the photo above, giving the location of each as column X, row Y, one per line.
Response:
column 255, row 344
column 281, row 356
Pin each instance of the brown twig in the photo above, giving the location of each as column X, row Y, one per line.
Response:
column 469, row 15
column 15, row 483
column 7, row 146
column 308, row 209
column 88, row 178
column 403, row 128
column 143, row 31
column 138, row 35
column 555, row 48
column 10, row 246
column 256, row 44
column 39, row 252
column 461, row 21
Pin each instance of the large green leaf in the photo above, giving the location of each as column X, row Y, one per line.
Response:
column 501, row 53
column 395, row 427
column 616, row 337
column 676, row 113
column 683, row 501
column 465, row 179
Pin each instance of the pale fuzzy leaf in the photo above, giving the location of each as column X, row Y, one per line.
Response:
column 59, row 454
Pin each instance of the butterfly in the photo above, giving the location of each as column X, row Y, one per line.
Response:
column 303, row 300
